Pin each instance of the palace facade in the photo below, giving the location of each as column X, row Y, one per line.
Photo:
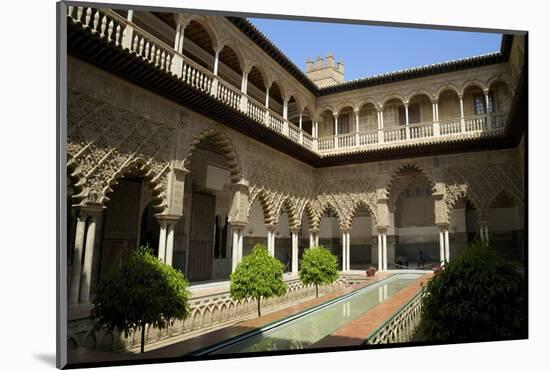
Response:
column 197, row 136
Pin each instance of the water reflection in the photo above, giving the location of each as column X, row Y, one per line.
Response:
column 309, row 329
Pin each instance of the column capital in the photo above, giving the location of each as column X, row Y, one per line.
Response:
column 271, row 227
column 382, row 229
column 313, row 230
column 295, row 230
column 443, row 225
column 242, row 185
column 345, row 229
column 85, row 211
column 237, row 224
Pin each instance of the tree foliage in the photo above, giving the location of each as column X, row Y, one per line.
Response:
column 478, row 296
column 257, row 276
column 144, row 291
column 318, row 266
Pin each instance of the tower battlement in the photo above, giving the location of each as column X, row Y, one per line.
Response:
column 324, row 72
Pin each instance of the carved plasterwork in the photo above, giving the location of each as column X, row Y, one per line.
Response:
column 105, row 143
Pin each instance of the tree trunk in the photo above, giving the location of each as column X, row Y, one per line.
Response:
column 142, row 337
column 259, row 312
column 316, row 291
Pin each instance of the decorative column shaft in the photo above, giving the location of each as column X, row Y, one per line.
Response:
column 407, row 129
column 77, row 258
column 216, row 62
column 271, row 240
column 441, row 246
column 295, row 235
column 385, row 251
column 170, row 243
column 462, row 122
column 162, row 240
column 380, row 262
column 86, row 275
column 447, row 246
column 237, row 252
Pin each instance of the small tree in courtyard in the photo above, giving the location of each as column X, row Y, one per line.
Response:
column 144, row 291
column 258, row 276
column 475, row 297
column 318, row 267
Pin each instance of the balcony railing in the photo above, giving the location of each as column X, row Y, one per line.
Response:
column 116, row 29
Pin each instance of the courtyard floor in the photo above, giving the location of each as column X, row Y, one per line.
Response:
column 351, row 334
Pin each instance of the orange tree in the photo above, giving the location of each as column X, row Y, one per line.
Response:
column 258, row 276
column 143, row 291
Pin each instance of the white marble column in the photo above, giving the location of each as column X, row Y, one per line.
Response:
column 170, row 243
column 380, row 262
column 407, row 128
column 447, row 246
column 216, row 62
column 295, row 234
column 345, row 250
column 77, row 257
column 385, row 250
column 285, row 109
column 441, row 245
column 271, row 240
column 462, row 122
column 86, row 274
column 162, row 240
column 237, row 247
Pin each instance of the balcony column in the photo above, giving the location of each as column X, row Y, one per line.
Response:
column 380, row 125
column 435, row 114
column 237, row 248
column 356, row 111
column 335, row 130
column 177, row 38
column 128, row 32
column 300, row 126
column 462, row 122
column 285, row 108
column 244, row 88
column 486, row 93
column 407, row 128
column 216, row 61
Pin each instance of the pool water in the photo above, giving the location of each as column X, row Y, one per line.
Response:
column 310, row 328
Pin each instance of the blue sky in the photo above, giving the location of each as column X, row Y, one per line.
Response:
column 370, row 50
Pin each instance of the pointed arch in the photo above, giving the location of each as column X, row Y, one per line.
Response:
column 267, row 209
column 290, row 208
column 225, row 145
column 408, row 167
column 139, row 167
